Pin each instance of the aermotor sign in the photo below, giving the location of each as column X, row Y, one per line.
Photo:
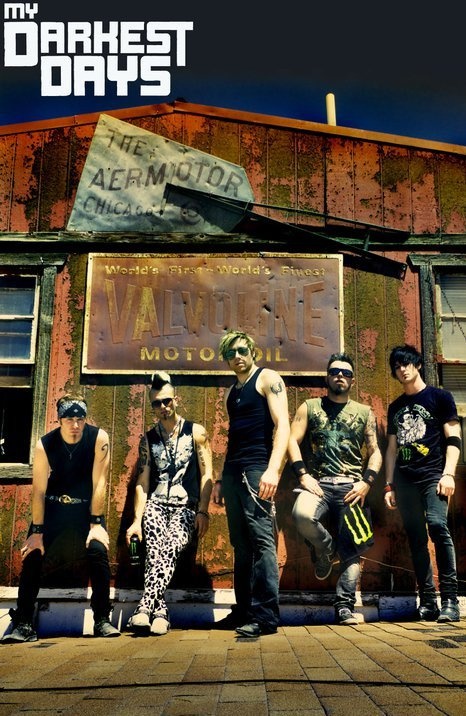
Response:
column 148, row 312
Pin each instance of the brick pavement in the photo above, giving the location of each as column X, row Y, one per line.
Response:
column 393, row 668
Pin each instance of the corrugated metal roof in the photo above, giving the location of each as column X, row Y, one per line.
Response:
column 233, row 115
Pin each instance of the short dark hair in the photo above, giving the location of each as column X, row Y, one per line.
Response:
column 404, row 355
column 343, row 357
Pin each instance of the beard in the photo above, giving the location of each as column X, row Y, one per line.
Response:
column 339, row 389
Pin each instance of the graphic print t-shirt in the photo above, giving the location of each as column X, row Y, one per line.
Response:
column 336, row 436
column 417, row 421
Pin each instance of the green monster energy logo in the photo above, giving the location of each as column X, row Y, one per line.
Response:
column 360, row 529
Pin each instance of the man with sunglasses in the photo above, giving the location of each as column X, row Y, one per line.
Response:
column 336, row 430
column 258, row 434
column 424, row 443
column 171, row 500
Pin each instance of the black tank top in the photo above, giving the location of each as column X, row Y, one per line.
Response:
column 250, row 434
column 71, row 466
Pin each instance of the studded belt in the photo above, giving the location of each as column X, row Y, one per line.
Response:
column 337, row 480
column 65, row 499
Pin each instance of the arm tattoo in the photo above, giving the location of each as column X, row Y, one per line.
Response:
column 104, row 450
column 277, row 387
column 143, row 459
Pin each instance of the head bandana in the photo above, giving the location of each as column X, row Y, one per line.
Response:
column 72, row 409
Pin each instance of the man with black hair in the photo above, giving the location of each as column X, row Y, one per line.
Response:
column 259, row 427
column 171, row 500
column 69, row 479
column 333, row 484
column 424, row 442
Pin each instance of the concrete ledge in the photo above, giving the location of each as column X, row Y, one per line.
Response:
column 66, row 612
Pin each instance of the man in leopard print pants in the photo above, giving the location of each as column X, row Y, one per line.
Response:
column 171, row 500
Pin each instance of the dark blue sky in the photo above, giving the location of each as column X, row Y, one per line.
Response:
column 396, row 68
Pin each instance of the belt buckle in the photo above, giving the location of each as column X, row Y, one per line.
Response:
column 65, row 499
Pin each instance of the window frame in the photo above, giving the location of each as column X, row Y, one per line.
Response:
column 430, row 267
column 46, row 271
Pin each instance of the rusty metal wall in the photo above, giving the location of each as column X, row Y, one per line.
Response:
column 403, row 187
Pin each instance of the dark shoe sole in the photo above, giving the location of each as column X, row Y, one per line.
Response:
column 249, row 634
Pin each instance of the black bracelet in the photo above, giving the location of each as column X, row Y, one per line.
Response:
column 369, row 477
column 37, row 529
column 218, row 481
column 299, row 468
column 201, row 512
column 96, row 519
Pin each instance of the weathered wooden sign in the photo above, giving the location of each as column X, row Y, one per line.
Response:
column 148, row 312
column 128, row 171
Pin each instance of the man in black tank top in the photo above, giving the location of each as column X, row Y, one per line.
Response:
column 258, row 434
column 69, row 481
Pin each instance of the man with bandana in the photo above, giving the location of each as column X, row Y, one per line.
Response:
column 69, row 480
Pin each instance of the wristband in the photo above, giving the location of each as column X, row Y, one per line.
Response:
column 389, row 487
column 369, row 477
column 299, row 468
column 454, row 440
column 37, row 529
column 96, row 519
column 448, row 474
column 218, row 481
column 201, row 512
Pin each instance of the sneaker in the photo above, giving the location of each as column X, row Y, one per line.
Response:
column 345, row 616
column 450, row 611
column 102, row 627
column 139, row 622
column 20, row 633
column 324, row 564
column 159, row 626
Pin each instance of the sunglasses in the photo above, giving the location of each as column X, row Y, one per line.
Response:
column 346, row 372
column 163, row 401
column 231, row 353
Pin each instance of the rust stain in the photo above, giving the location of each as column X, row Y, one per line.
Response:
column 367, row 344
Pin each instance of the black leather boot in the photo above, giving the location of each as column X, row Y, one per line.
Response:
column 428, row 612
column 450, row 611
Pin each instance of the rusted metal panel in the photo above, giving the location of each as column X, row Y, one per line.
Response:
column 424, row 193
column 253, row 152
column 340, row 180
column 367, row 188
column 452, row 192
column 395, row 179
column 26, row 181
column 54, row 176
column 310, row 180
column 7, row 154
column 281, row 171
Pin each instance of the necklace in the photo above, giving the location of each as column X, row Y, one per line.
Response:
column 67, row 448
column 239, row 386
column 168, row 447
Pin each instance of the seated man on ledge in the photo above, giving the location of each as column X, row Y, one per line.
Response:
column 69, row 480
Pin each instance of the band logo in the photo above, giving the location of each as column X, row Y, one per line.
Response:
column 77, row 58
